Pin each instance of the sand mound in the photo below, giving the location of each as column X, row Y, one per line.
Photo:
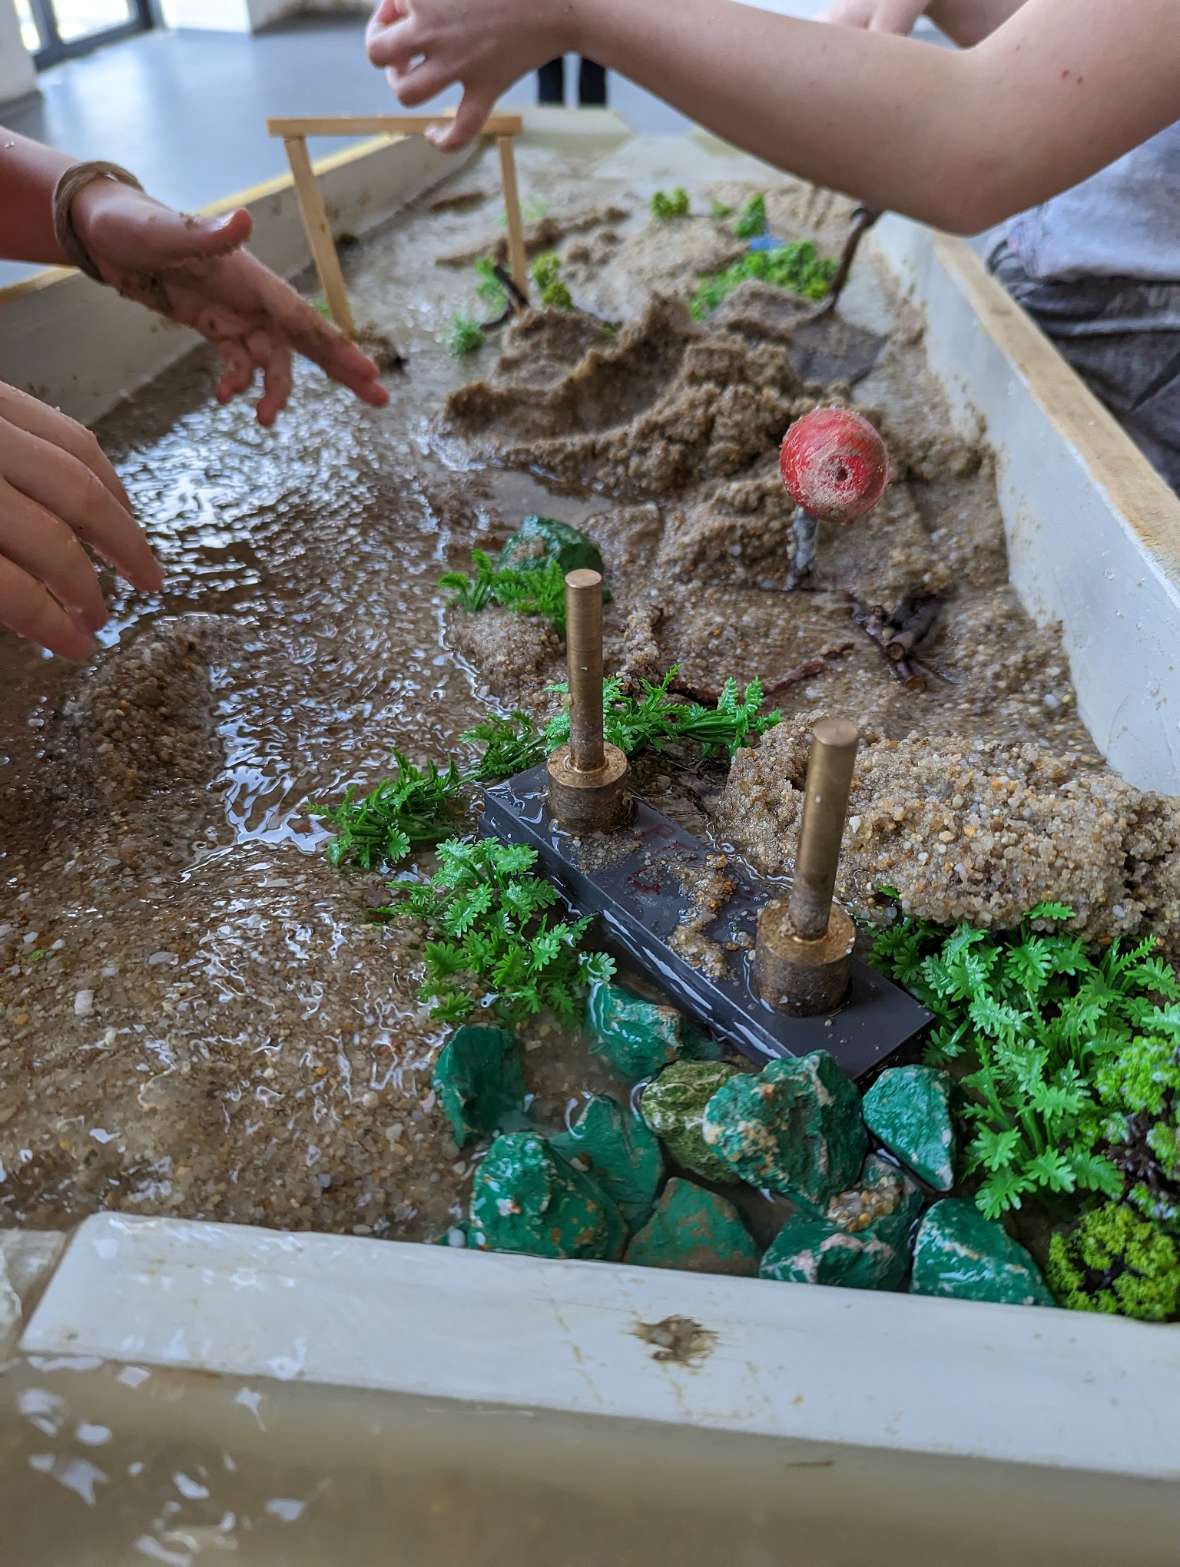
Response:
column 143, row 720
column 979, row 831
column 516, row 655
column 662, row 407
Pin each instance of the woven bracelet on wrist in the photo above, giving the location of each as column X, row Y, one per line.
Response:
column 71, row 182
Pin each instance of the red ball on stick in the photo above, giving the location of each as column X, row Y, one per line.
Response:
column 834, row 464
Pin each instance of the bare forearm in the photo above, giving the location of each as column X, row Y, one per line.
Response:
column 958, row 139
column 794, row 93
column 28, row 173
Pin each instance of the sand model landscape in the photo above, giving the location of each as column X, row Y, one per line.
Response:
column 200, row 1019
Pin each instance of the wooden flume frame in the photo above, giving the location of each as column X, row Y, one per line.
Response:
column 295, row 131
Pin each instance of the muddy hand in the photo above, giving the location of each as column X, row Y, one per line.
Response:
column 57, row 492
column 425, row 46
column 195, row 271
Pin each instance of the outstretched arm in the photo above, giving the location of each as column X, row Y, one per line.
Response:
column 956, row 138
column 192, row 269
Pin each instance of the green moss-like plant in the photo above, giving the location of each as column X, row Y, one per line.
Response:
column 466, row 335
column 1139, row 1090
column 489, row 288
column 720, row 211
column 669, row 204
column 798, row 267
column 1114, row 1261
column 527, row 590
column 546, row 274
column 751, row 219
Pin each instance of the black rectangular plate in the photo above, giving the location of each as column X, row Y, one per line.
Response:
column 628, row 879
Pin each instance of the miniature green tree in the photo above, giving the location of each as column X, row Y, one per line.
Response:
column 669, row 204
column 417, row 807
column 527, row 590
column 466, row 335
column 751, row 219
column 1037, row 1018
column 497, row 950
column 546, row 274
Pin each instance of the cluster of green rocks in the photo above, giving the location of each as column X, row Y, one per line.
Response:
column 635, row 1178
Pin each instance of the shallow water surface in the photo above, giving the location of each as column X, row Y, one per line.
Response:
column 115, row 1466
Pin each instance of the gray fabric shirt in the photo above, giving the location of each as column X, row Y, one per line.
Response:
column 1122, row 222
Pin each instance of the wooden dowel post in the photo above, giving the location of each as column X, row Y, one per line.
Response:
column 319, row 233
column 517, row 263
column 313, row 213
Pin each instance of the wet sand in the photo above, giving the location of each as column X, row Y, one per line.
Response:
column 195, row 1017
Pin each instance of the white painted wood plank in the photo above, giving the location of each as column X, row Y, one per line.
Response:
column 795, row 1361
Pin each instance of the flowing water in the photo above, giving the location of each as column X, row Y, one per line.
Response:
column 195, row 1016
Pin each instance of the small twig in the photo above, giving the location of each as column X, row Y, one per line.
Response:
column 517, row 299
column 803, row 671
column 809, row 667
column 509, row 284
column 914, row 618
column 909, row 623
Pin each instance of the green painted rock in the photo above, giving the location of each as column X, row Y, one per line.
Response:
column 908, row 1108
column 617, row 1150
column 862, row 1239
column 961, row 1255
column 525, row 1197
column 636, row 1037
column 673, row 1107
column 479, row 1080
column 545, row 538
column 695, row 1230
column 795, row 1127
column 698, row 1046
column 816, row 1251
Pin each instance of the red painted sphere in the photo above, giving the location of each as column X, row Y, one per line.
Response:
column 834, row 464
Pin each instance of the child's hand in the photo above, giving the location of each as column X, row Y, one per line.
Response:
column 195, row 271
column 875, row 16
column 425, row 45
column 56, row 490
